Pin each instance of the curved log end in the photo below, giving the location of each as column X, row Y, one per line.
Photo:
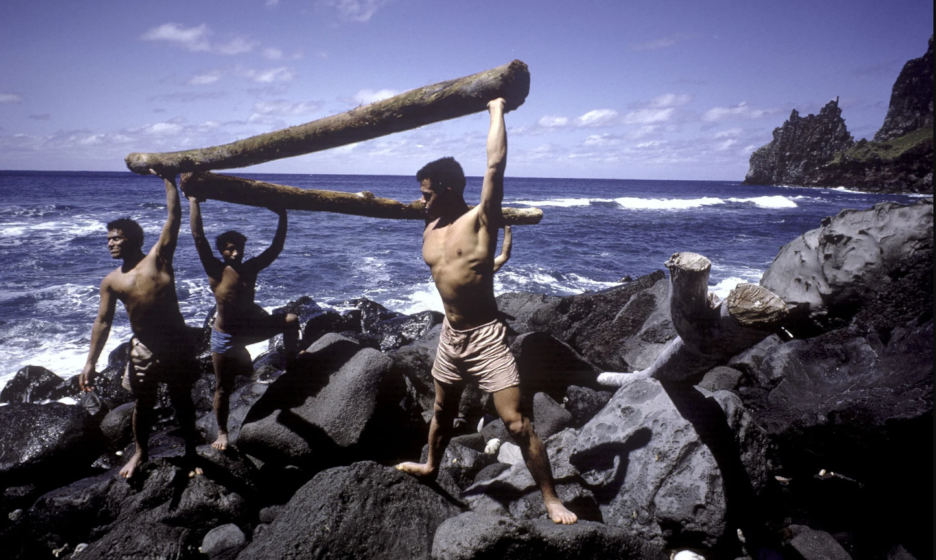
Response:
column 690, row 262
column 756, row 307
column 517, row 84
column 138, row 163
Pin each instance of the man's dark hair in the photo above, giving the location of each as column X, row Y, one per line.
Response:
column 235, row 237
column 131, row 230
column 443, row 173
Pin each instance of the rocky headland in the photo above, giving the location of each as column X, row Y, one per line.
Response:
column 813, row 440
column 818, row 151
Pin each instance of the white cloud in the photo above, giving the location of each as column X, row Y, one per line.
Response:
column 269, row 76
column 598, row 118
column 730, row 133
column 740, row 111
column 669, row 100
column 551, row 121
column 194, row 39
column 271, row 53
column 368, row 96
column 722, row 146
column 649, row 116
column 206, row 79
column 356, row 10
column 602, row 140
column 283, row 107
column 10, row 98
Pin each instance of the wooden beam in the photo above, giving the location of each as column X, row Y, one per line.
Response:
column 270, row 195
column 426, row 105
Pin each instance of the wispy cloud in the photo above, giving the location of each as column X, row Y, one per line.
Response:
column 649, row 116
column 197, row 39
column 280, row 74
column 368, row 96
column 741, row 111
column 355, row 10
column 10, row 98
column 206, row 79
column 42, row 117
column 283, row 107
column 189, row 96
column 271, row 53
column 662, row 43
column 597, row 118
column 551, row 121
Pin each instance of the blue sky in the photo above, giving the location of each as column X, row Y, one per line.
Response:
column 620, row 89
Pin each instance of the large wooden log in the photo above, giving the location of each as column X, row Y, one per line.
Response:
column 710, row 332
column 426, row 105
column 270, row 195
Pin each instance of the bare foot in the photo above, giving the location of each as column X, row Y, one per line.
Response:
column 130, row 468
column 419, row 470
column 196, row 472
column 221, row 443
column 559, row 514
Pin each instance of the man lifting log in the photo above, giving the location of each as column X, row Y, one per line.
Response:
column 239, row 321
column 459, row 245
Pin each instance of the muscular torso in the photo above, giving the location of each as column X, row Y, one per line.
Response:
column 234, row 294
column 148, row 293
column 461, row 258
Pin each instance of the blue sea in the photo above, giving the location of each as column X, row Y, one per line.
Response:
column 593, row 233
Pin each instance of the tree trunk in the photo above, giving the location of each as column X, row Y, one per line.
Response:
column 438, row 102
column 710, row 332
column 269, row 195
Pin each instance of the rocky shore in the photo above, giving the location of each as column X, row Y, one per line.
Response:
column 816, row 442
column 818, row 150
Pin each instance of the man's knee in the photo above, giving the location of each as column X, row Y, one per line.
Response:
column 519, row 427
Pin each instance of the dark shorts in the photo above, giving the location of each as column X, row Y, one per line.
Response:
column 175, row 365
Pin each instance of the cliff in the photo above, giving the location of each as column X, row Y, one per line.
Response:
column 817, row 150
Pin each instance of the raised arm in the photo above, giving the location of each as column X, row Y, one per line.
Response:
column 502, row 259
column 492, row 190
column 213, row 266
column 169, row 237
column 99, row 333
column 267, row 257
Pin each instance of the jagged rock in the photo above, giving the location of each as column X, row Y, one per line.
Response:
column 360, row 511
column 620, row 329
column 911, row 102
column 753, row 445
column 800, row 147
column 517, row 307
column 372, row 312
column 826, row 274
column 474, row 536
column 38, row 439
column 509, row 454
column 31, row 384
column 330, row 322
column 414, row 362
column 721, row 378
column 223, row 542
column 549, row 365
column 459, row 466
column 583, row 403
column 161, row 513
column 548, row 416
column 811, row 544
column 400, row 331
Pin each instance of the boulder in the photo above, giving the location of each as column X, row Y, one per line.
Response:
column 517, row 307
column 31, row 384
column 549, row 365
column 811, row 544
column 721, row 378
column 620, row 329
column 372, row 312
column 360, row 511
column 223, row 542
column 413, row 363
column 117, row 426
column 38, row 439
column 583, row 403
column 329, row 322
column 474, row 536
column 341, row 404
column 827, row 274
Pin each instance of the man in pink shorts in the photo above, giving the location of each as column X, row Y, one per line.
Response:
column 459, row 246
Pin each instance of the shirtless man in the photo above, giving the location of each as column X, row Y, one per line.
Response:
column 239, row 321
column 459, row 246
column 162, row 346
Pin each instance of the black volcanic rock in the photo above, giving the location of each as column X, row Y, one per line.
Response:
column 800, row 147
column 911, row 103
column 30, row 384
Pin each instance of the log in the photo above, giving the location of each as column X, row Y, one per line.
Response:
column 415, row 108
column 238, row 190
column 710, row 331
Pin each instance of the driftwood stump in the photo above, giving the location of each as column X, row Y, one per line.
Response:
column 270, row 195
column 710, row 332
column 430, row 104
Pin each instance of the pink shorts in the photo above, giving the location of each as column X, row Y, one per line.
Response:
column 479, row 354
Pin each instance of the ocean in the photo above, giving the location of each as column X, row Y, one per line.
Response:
column 593, row 233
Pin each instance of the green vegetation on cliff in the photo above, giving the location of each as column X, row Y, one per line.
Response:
column 865, row 150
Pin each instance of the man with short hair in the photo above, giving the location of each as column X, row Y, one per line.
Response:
column 163, row 348
column 459, row 246
column 239, row 321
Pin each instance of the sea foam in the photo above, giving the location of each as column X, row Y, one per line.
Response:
column 667, row 203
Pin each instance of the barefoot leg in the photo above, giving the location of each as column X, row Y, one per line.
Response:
column 222, row 442
column 440, row 430
column 135, row 461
